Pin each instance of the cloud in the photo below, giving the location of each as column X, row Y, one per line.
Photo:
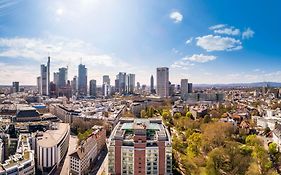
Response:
column 201, row 58
column 183, row 64
column 176, row 16
column 64, row 52
column 189, row 41
column 218, row 43
column 218, row 26
column 228, row 31
column 188, row 62
column 248, row 33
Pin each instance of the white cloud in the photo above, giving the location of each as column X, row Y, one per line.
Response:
column 63, row 52
column 218, row 43
column 248, row 33
column 228, row 31
column 176, row 16
column 200, row 58
column 189, row 41
column 218, row 26
column 183, row 64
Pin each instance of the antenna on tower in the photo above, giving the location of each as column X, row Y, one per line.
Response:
column 81, row 60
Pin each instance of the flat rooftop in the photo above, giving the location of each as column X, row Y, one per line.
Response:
column 53, row 137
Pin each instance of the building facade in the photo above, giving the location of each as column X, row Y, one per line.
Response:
column 162, row 81
column 52, row 147
column 93, row 88
column 82, row 80
column 140, row 146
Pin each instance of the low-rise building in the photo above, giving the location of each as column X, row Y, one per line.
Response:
column 87, row 151
column 52, row 146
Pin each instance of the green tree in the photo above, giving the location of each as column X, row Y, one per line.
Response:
column 177, row 115
column 143, row 114
column 188, row 114
column 272, row 148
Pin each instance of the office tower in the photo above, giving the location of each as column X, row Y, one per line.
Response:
column 140, row 146
column 172, row 88
column 39, row 84
column 116, row 88
column 121, row 77
column 93, row 88
column 62, row 77
column 162, row 81
column 44, row 74
column 138, row 86
column 130, row 83
column 184, row 86
column 82, row 80
column 16, row 86
column 189, row 87
column 48, row 76
column 105, row 79
column 74, row 84
column 151, row 84
column 56, row 78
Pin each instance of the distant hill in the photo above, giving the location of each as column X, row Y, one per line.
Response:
column 250, row 85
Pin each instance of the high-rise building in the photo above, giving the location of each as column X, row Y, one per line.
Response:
column 44, row 74
column 106, row 79
column 56, row 77
column 189, row 87
column 48, row 75
column 62, row 77
column 184, row 86
column 152, row 91
column 74, row 84
column 140, row 146
column 121, row 87
column 93, row 88
column 16, row 86
column 82, row 80
column 39, row 84
column 162, row 81
column 138, row 86
column 130, row 83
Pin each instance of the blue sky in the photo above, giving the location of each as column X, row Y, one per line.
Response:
column 205, row 41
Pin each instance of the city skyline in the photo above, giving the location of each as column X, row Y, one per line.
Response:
column 138, row 37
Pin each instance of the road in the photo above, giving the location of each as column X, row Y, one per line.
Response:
column 72, row 146
column 100, row 159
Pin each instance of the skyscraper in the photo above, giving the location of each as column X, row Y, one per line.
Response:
column 74, row 85
column 93, row 88
column 39, row 84
column 56, row 78
column 62, row 77
column 121, row 77
column 130, row 83
column 44, row 74
column 162, row 81
column 184, row 86
column 105, row 79
column 82, row 80
column 48, row 75
column 16, row 86
column 151, row 84
column 189, row 87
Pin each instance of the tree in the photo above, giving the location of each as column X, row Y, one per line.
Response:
column 194, row 145
column 177, row 115
column 188, row 114
column 143, row 114
column 207, row 118
column 272, row 148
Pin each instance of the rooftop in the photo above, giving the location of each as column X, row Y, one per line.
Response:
column 53, row 137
